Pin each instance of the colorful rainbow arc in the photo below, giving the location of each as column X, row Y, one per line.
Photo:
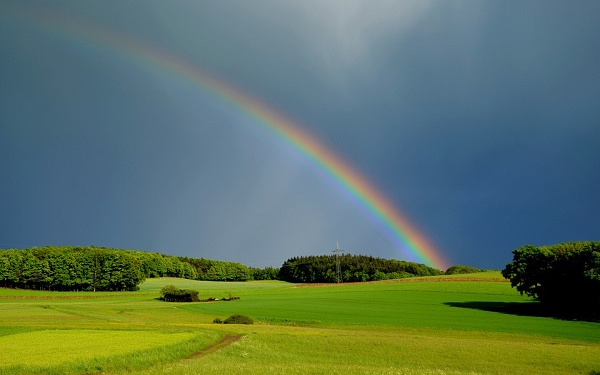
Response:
column 403, row 234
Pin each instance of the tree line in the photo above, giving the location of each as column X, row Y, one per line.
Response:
column 89, row 268
column 78, row 268
column 323, row 269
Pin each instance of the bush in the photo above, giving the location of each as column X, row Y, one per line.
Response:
column 238, row 319
column 171, row 293
column 218, row 321
column 167, row 289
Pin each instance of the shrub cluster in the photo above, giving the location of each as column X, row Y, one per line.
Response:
column 235, row 319
column 564, row 276
column 171, row 293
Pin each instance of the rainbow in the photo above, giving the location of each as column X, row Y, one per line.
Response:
column 370, row 201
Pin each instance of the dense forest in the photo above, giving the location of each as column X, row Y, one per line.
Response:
column 101, row 269
column 322, row 269
column 71, row 268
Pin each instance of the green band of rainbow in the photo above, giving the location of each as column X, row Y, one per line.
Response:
column 398, row 228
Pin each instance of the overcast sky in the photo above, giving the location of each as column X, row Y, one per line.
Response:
column 479, row 120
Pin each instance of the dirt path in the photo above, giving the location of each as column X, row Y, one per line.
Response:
column 223, row 343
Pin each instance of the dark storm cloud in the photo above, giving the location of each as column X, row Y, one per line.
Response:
column 479, row 120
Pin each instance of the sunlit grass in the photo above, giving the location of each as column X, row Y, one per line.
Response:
column 296, row 350
column 85, row 351
column 42, row 347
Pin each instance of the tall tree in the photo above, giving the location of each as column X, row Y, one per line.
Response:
column 564, row 276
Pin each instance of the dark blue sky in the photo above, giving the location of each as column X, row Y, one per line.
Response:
column 480, row 121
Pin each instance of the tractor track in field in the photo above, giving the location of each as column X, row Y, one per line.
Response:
column 221, row 344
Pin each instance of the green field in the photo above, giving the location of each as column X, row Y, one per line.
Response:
column 459, row 324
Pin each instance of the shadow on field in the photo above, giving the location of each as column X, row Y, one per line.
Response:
column 525, row 309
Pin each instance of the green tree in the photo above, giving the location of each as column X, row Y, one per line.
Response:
column 564, row 276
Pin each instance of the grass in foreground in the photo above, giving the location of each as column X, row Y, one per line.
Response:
column 52, row 347
column 289, row 350
column 407, row 327
column 91, row 351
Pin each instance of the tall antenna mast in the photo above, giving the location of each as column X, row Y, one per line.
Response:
column 338, row 267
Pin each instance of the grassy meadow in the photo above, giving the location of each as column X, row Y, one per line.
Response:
column 461, row 324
